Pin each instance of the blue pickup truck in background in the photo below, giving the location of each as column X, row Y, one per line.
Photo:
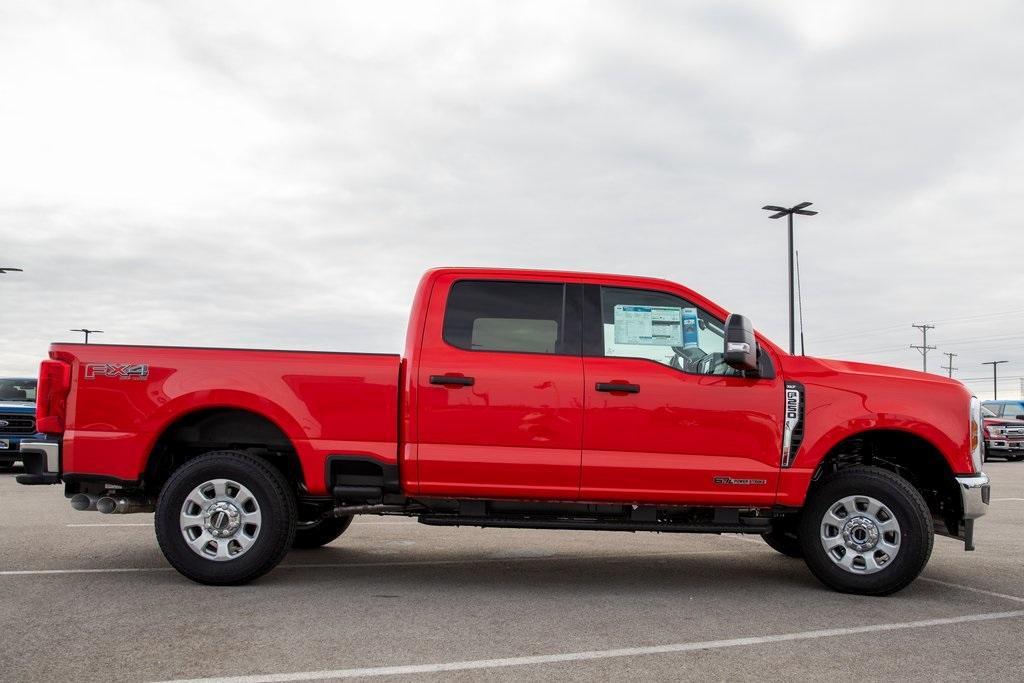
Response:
column 17, row 417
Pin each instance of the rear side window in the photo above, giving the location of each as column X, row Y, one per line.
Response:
column 525, row 317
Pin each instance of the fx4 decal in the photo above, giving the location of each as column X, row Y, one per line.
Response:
column 119, row 370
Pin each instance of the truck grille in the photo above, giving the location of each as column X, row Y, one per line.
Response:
column 17, row 424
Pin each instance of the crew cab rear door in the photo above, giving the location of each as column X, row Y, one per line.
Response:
column 666, row 421
column 500, row 390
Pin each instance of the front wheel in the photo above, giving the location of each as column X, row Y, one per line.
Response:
column 225, row 518
column 866, row 531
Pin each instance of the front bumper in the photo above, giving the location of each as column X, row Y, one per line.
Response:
column 42, row 462
column 975, row 493
column 1004, row 445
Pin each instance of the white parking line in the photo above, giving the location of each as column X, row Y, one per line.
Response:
column 400, row 563
column 601, row 654
column 1004, row 596
column 995, row 499
column 79, row 526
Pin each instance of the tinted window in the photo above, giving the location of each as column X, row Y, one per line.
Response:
column 639, row 323
column 529, row 317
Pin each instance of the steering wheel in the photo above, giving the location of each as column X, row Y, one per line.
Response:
column 712, row 364
column 691, row 358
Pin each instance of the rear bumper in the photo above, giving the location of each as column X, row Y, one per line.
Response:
column 41, row 460
column 10, row 445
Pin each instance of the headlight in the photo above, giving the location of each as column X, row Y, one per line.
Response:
column 995, row 431
column 977, row 443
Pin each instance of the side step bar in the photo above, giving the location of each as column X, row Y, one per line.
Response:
column 594, row 525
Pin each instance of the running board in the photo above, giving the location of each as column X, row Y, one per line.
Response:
column 594, row 525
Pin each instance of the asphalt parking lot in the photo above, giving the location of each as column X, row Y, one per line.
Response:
column 87, row 596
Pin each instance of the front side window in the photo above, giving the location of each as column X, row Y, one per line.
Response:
column 993, row 408
column 526, row 317
column 639, row 323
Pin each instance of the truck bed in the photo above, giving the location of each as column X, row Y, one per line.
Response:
column 124, row 397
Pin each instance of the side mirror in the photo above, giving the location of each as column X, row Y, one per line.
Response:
column 740, row 345
column 1020, row 417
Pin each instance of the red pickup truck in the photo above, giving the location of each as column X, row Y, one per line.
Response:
column 525, row 399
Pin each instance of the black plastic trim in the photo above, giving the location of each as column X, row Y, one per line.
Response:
column 391, row 482
column 588, row 525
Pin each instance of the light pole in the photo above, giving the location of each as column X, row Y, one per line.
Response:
column 87, row 332
column 995, row 374
column 779, row 213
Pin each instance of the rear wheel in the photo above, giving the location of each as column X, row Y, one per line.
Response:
column 225, row 518
column 866, row 531
column 320, row 532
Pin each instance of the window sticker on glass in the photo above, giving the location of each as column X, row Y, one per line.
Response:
column 650, row 325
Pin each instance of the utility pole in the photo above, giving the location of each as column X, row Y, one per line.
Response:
column 800, row 302
column 781, row 211
column 924, row 348
column 950, row 366
column 995, row 375
column 87, row 332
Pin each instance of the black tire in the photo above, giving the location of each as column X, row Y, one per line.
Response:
column 277, row 508
column 321, row 532
column 783, row 538
column 916, row 534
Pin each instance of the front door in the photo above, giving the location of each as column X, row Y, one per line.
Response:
column 666, row 421
column 500, row 390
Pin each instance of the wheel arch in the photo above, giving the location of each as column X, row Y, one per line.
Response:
column 908, row 455
column 220, row 427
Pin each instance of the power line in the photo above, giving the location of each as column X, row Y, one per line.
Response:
column 924, row 348
column 897, row 326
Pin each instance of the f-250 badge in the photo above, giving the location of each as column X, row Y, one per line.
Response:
column 118, row 370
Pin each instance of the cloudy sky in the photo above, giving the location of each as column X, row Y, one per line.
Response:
column 280, row 174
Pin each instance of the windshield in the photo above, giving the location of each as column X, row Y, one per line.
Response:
column 18, row 390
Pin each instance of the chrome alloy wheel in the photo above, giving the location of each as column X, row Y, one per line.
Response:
column 860, row 534
column 220, row 520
